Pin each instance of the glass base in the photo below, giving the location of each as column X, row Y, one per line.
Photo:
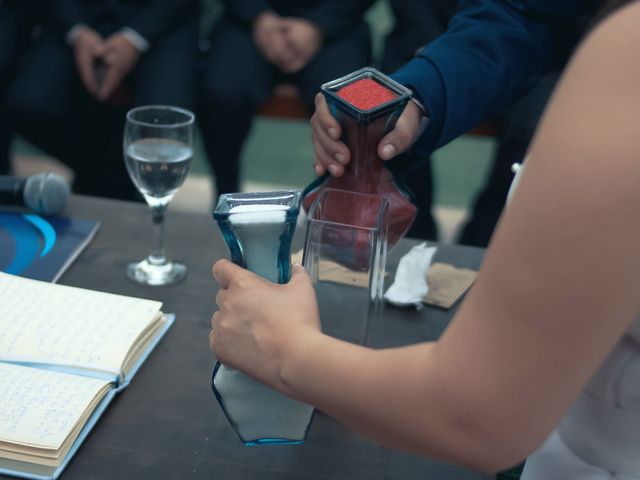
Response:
column 258, row 414
column 149, row 274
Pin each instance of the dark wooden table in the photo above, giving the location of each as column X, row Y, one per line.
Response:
column 167, row 424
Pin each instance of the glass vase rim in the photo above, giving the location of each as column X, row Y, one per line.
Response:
column 380, row 218
column 190, row 120
column 221, row 212
column 330, row 91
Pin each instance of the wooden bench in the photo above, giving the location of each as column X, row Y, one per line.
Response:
column 285, row 103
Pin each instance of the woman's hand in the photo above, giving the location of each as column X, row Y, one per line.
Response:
column 259, row 323
column 333, row 155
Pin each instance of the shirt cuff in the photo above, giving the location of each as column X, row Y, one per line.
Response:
column 73, row 33
column 424, row 118
column 419, row 105
column 137, row 40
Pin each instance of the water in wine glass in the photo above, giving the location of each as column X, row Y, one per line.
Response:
column 158, row 167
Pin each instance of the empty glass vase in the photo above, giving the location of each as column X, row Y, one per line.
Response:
column 346, row 261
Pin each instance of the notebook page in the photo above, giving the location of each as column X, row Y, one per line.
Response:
column 41, row 407
column 55, row 324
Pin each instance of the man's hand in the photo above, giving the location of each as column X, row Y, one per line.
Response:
column 259, row 323
column 332, row 154
column 120, row 57
column 88, row 47
column 268, row 35
column 304, row 39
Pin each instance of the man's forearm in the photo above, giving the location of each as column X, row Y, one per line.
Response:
column 490, row 54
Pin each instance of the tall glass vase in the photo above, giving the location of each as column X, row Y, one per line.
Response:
column 367, row 105
column 258, row 229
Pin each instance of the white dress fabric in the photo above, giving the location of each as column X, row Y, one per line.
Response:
column 599, row 437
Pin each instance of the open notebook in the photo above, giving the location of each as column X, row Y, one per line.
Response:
column 64, row 353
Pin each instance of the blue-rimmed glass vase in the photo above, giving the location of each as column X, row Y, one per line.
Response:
column 258, row 229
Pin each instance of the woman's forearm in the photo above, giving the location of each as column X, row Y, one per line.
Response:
column 398, row 397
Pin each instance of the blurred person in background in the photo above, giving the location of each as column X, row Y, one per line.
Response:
column 17, row 19
column 516, row 126
column 416, row 23
column 419, row 22
column 515, row 129
column 95, row 60
column 260, row 43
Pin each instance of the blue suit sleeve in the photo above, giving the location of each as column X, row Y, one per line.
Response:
column 490, row 54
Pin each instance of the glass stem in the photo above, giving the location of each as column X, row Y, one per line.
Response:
column 157, row 256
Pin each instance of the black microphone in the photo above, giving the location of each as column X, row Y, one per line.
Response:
column 45, row 193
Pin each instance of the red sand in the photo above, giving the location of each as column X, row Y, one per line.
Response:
column 366, row 94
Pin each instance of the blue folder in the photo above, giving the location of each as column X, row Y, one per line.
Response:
column 39, row 247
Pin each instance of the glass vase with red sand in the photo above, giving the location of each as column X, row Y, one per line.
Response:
column 367, row 105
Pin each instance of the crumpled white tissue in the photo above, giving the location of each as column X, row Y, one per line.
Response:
column 410, row 284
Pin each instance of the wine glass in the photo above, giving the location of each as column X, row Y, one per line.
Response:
column 158, row 148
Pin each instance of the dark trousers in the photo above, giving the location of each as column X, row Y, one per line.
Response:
column 54, row 110
column 14, row 32
column 517, row 128
column 417, row 22
column 237, row 80
column 415, row 176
